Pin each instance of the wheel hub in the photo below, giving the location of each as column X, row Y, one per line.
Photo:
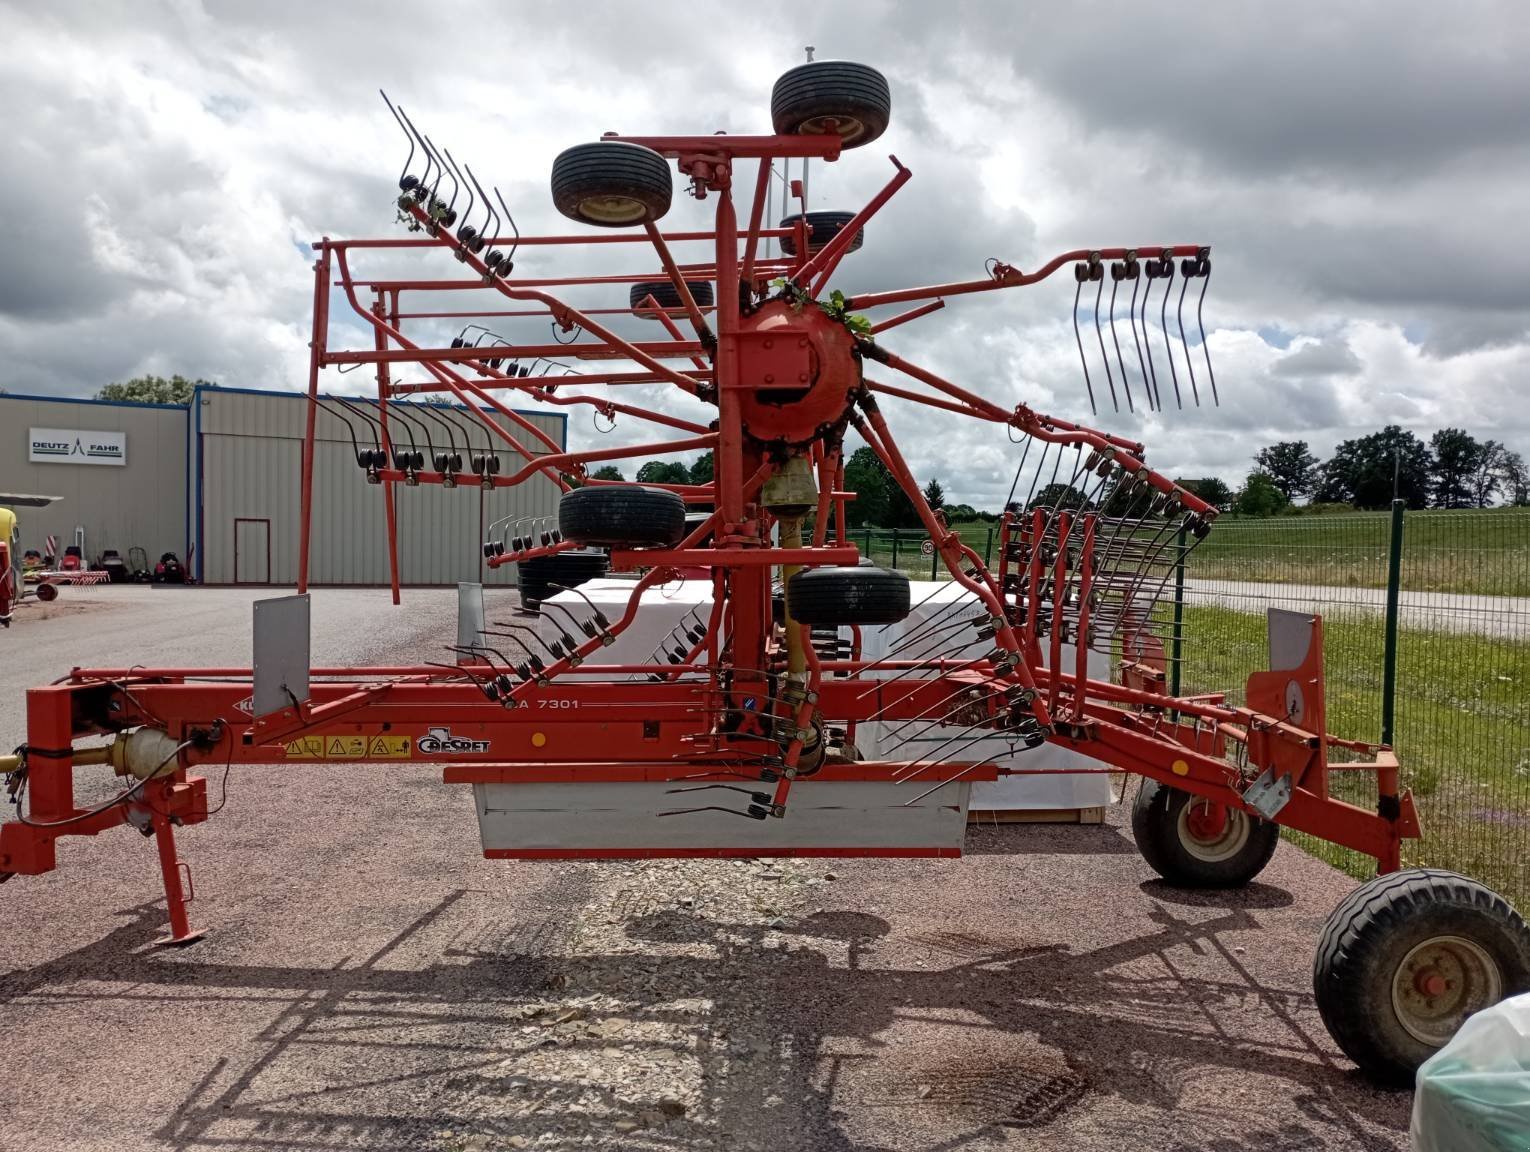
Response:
column 1212, row 832
column 1441, row 982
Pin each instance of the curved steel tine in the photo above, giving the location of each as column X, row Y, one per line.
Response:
column 1099, row 294
column 465, row 232
column 1205, row 265
column 600, row 617
column 510, row 217
column 489, row 233
column 1184, row 282
column 413, row 131
column 1079, row 338
column 572, row 619
column 444, row 172
column 1166, row 265
column 409, row 426
column 1150, row 370
column 1115, row 283
column 351, row 429
column 457, row 181
column 372, row 421
column 426, row 410
column 404, row 172
column 532, row 632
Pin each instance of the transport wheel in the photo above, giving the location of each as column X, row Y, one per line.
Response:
column 848, row 596
column 663, row 291
column 1193, row 842
column 612, row 184
column 1406, row 957
column 622, row 516
column 832, row 96
column 822, row 227
column 567, row 569
column 47, row 593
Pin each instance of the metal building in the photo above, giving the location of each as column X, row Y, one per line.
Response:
column 222, row 483
column 121, row 470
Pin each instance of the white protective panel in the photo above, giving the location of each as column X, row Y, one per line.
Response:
column 937, row 607
column 821, row 815
column 663, row 609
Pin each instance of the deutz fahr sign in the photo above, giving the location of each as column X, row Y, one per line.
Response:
column 71, row 446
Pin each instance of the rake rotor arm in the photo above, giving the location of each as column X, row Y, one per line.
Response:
column 566, row 316
column 704, row 331
column 1008, row 276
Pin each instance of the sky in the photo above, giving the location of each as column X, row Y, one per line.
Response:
column 1359, row 171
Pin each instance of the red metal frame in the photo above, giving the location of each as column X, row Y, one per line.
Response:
column 1059, row 570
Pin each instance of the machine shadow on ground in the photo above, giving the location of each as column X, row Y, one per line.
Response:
column 1028, row 1037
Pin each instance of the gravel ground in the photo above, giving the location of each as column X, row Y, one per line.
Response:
column 369, row 982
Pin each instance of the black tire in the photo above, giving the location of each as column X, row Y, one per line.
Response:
column 853, row 94
column 47, row 593
column 611, row 184
column 622, row 516
column 1163, row 824
column 822, row 227
column 663, row 292
column 567, row 569
column 1410, row 916
column 848, row 596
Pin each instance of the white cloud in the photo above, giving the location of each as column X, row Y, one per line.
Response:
column 1358, row 171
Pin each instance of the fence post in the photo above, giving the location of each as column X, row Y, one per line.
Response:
column 988, row 548
column 1176, row 642
column 867, row 553
column 934, row 559
column 894, row 564
column 1389, row 649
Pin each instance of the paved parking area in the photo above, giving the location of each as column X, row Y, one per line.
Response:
column 370, row 982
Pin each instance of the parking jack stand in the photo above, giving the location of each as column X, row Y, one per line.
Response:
column 177, row 895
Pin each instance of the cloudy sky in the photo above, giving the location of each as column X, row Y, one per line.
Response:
column 1359, row 169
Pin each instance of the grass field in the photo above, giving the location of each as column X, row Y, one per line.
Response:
column 1479, row 552
column 1469, row 552
column 1463, row 730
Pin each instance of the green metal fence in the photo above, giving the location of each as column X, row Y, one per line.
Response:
column 1426, row 625
column 1426, row 622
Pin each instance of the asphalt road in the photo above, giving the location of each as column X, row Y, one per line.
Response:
column 368, row 981
column 1506, row 616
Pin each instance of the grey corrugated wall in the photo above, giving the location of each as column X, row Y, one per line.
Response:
column 251, row 449
column 141, row 504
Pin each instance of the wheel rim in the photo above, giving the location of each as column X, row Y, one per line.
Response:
column 613, row 209
column 1441, row 982
column 847, row 128
column 1212, row 832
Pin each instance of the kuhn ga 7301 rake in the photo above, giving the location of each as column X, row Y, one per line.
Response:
column 738, row 737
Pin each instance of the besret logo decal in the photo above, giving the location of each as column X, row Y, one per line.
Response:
column 440, row 740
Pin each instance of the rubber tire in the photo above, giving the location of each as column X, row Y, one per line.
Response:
column 47, row 593
column 1371, row 931
column 570, row 569
column 611, row 168
column 622, row 516
column 663, row 291
column 832, row 88
column 834, row 596
column 822, row 227
column 1155, row 827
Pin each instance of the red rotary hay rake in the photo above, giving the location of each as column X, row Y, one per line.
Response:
column 738, row 737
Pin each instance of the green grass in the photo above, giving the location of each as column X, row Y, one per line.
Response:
column 1481, row 552
column 1478, row 552
column 1463, row 731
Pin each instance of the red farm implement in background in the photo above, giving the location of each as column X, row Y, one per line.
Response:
column 738, row 736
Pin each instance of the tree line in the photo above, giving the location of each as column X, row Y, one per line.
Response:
column 1453, row 469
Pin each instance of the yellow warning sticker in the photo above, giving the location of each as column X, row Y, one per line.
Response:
column 388, row 748
column 350, row 747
